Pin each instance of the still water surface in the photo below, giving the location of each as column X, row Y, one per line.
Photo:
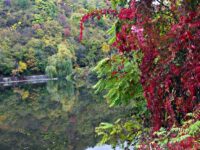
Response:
column 52, row 116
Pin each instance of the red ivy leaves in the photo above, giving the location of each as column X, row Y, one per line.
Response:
column 186, row 144
column 171, row 62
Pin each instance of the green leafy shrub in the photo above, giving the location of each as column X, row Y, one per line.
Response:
column 51, row 71
column 120, row 77
column 61, row 61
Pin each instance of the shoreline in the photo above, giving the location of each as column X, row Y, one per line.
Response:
column 6, row 81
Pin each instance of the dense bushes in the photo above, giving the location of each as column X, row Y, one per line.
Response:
column 31, row 31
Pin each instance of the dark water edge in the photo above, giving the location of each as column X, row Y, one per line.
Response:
column 55, row 115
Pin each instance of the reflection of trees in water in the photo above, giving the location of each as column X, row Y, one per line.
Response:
column 64, row 88
column 54, row 116
column 62, row 92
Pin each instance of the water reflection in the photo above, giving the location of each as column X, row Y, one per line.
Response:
column 54, row 116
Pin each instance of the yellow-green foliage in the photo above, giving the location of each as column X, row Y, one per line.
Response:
column 47, row 10
column 120, row 78
column 60, row 64
column 22, row 66
column 33, row 31
column 121, row 132
column 105, row 48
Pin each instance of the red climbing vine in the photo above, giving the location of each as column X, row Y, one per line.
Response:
column 168, row 36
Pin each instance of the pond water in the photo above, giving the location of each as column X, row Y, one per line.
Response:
column 52, row 116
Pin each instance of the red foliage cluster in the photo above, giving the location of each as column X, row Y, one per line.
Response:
column 186, row 144
column 190, row 142
column 171, row 62
column 128, row 13
column 172, row 84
